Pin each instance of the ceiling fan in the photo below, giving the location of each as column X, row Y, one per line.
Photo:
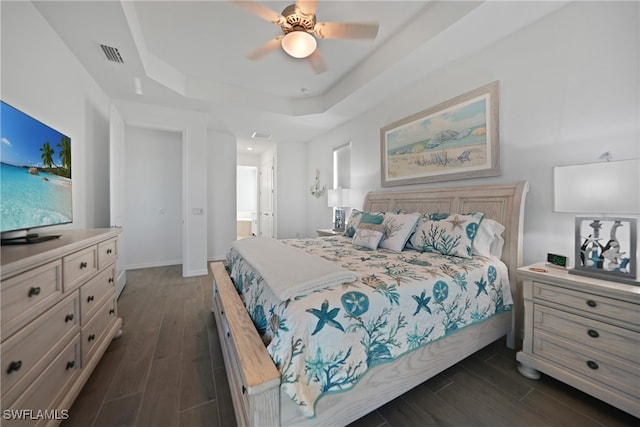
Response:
column 300, row 30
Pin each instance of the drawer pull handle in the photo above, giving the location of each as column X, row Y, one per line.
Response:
column 110, row 280
column 68, row 318
column 593, row 333
column 109, row 251
column 91, row 337
column 591, row 303
column 228, row 334
column 244, row 390
column 14, row 366
column 112, row 311
column 90, row 298
column 70, row 364
column 592, row 364
column 34, row 290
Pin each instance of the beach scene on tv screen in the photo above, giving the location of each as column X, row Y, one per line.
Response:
column 35, row 176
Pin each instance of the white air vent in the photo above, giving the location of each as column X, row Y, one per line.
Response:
column 112, row 54
column 257, row 135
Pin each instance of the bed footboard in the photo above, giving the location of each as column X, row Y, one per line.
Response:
column 254, row 380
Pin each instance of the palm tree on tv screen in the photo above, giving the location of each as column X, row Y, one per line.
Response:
column 47, row 154
column 65, row 153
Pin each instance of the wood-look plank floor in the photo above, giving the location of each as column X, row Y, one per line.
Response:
column 167, row 370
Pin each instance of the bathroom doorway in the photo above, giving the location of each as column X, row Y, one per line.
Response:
column 247, row 201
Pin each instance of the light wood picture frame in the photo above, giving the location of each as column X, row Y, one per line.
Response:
column 457, row 139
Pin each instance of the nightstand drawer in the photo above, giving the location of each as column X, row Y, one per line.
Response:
column 616, row 341
column 588, row 363
column 588, row 304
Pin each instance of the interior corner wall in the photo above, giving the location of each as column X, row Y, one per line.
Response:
column 569, row 91
column 290, row 176
column 42, row 78
column 221, row 190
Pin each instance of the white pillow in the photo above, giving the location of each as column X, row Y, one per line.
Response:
column 489, row 241
column 398, row 227
column 368, row 236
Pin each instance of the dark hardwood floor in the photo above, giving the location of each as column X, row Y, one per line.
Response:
column 167, row 370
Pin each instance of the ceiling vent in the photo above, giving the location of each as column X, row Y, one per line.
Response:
column 257, row 135
column 112, row 53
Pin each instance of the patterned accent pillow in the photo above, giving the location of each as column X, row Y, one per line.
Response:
column 447, row 234
column 368, row 235
column 358, row 217
column 397, row 229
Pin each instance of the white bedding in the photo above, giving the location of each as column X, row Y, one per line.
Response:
column 301, row 273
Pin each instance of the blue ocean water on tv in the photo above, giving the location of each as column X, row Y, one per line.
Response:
column 27, row 199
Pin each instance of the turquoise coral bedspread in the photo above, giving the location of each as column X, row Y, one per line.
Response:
column 326, row 341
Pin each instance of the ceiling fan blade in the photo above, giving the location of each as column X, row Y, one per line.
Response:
column 317, row 62
column 265, row 49
column 346, row 30
column 306, row 7
column 259, row 10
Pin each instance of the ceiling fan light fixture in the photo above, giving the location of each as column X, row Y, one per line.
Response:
column 299, row 43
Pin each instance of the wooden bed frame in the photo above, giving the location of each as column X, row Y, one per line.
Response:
column 254, row 380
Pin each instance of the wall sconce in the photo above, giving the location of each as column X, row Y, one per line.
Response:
column 338, row 199
column 605, row 246
column 316, row 190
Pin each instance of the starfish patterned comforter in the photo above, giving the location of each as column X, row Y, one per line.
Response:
column 324, row 342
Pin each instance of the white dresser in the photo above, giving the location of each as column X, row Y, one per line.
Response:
column 584, row 332
column 59, row 314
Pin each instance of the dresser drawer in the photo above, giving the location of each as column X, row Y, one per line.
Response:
column 46, row 392
column 94, row 332
column 617, row 341
column 27, row 295
column 589, row 363
column 588, row 304
column 93, row 293
column 78, row 267
column 107, row 252
column 26, row 353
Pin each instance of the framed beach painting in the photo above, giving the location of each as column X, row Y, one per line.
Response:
column 457, row 139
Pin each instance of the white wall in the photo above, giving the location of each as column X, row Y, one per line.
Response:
column 42, row 78
column 221, row 193
column 290, row 173
column 153, row 197
column 569, row 91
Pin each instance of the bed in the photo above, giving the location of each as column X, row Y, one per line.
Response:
column 262, row 395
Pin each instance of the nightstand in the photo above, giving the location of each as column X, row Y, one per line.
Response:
column 584, row 332
column 323, row 232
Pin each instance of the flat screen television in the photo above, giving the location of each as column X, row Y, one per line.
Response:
column 35, row 179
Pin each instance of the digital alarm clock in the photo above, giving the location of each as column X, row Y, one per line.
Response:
column 557, row 260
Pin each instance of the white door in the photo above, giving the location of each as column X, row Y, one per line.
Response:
column 116, row 191
column 266, row 198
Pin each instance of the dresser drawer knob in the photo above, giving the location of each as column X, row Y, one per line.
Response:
column 90, row 298
column 70, row 364
column 592, row 364
column 593, row 333
column 34, row 290
column 110, row 280
column 244, row 390
column 14, row 366
column 112, row 311
column 591, row 303
column 68, row 318
column 109, row 251
column 91, row 337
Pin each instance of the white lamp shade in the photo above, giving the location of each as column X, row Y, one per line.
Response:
column 338, row 198
column 299, row 44
column 598, row 188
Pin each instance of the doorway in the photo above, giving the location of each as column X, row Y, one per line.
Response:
column 247, row 201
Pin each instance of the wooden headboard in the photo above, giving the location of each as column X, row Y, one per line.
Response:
column 503, row 203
